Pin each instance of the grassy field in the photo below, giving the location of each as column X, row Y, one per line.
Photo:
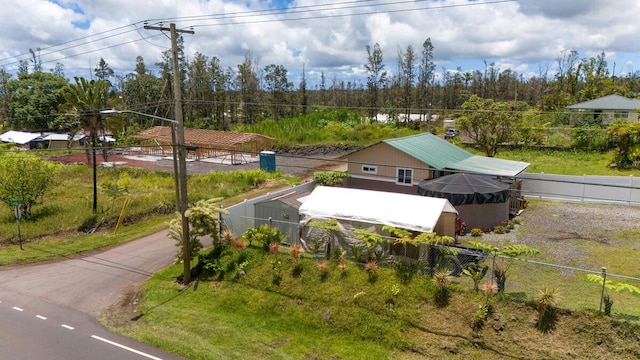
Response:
column 63, row 224
column 567, row 162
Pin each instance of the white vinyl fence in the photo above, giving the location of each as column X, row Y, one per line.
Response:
column 242, row 216
column 595, row 189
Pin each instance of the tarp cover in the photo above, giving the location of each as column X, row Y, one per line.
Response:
column 461, row 189
column 404, row 211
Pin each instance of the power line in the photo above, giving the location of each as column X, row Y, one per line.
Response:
column 238, row 15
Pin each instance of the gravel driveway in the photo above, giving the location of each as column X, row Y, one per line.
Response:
column 562, row 231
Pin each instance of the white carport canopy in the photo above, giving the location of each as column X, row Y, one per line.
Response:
column 404, row 211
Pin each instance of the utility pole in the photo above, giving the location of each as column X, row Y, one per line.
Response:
column 182, row 154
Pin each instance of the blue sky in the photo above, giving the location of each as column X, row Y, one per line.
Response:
column 323, row 36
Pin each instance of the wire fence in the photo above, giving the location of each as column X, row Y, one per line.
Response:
column 576, row 289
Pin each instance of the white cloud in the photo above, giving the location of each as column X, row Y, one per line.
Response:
column 326, row 37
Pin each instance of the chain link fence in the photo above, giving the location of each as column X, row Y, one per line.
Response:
column 575, row 289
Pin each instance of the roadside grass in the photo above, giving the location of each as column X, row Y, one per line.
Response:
column 346, row 315
column 50, row 248
column 63, row 224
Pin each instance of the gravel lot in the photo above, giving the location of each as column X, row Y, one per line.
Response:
column 293, row 163
column 562, row 231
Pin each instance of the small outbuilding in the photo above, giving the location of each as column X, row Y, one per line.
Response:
column 282, row 213
column 482, row 201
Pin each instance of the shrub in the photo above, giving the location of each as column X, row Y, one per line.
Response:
column 479, row 318
column 323, row 267
column 547, row 313
column 274, row 247
column 239, row 244
column 342, row 265
column 499, row 229
column 372, row 270
column 441, row 280
column 406, row 270
column 276, row 272
column 476, row 232
column 295, row 251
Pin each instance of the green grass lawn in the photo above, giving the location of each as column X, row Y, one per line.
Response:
column 347, row 315
column 567, row 162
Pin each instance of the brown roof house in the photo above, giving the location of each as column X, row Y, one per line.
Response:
column 228, row 146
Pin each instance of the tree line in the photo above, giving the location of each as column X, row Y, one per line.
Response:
column 217, row 97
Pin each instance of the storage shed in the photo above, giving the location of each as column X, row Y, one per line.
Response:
column 282, row 213
column 482, row 201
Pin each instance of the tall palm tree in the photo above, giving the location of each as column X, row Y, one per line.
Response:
column 84, row 101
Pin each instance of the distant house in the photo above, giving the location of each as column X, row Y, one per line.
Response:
column 398, row 165
column 607, row 108
column 60, row 141
column 19, row 138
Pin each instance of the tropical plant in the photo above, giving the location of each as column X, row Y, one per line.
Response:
column 264, row 235
column 204, row 220
column 479, row 317
column 510, row 251
column 610, row 285
column 84, row 102
column 323, row 268
column 547, row 312
column 442, row 281
column 329, row 178
column 372, row 270
column 295, row 251
column 476, row 272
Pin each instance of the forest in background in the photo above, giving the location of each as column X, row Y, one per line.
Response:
column 218, row 97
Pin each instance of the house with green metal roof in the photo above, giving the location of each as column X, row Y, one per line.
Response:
column 607, row 108
column 398, row 165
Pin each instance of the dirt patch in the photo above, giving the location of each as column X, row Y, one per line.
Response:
column 125, row 311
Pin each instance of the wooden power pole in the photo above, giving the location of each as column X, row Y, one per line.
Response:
column 182, row 153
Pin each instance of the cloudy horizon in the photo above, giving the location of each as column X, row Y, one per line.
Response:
column 526, row 36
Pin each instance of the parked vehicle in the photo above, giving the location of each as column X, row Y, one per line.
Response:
column 451, row 133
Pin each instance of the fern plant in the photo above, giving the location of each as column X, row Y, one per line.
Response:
column 510, row 251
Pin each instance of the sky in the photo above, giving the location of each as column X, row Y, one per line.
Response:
column 321, row 36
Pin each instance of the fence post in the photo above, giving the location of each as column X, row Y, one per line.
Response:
column 604, row 281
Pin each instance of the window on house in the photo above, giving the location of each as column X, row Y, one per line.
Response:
column 405, row 176
column 369, row 169
column 621, row 115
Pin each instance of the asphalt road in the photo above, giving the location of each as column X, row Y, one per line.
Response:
column 48, row 311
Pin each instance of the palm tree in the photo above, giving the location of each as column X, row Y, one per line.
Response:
column 84, row 101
